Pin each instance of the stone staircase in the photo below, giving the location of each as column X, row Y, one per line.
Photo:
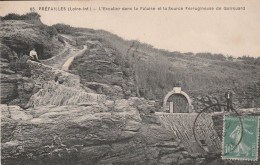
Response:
column 67, row 63
column 59, row 87
column 64, row 56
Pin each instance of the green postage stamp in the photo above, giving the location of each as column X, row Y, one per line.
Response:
column 240, row 138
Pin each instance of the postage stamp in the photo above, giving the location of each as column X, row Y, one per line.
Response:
column 240, row 138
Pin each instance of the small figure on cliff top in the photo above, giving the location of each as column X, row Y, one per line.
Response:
column 229, row 96
column 33, row 55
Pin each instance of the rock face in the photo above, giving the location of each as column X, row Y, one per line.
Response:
column 15, row 88
column 110, row 90
column 103, row 70
column 67, row 89
column 57, row 94
column 21, row 36
column 8, row 88
column 113, row 133
column 42, row 73
column 247, row 96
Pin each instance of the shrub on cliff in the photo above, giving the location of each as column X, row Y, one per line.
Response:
column 12, row 16
column 5, row 52
column 64, row 29
column 257, row 61
column 33, row 16
column 211, row 56
column 51, row 31
column 247, row 59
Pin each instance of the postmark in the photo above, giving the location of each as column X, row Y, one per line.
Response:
column 197, row 128
column 233, row 146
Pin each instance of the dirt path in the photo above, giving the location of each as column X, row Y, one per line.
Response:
column 67, row 46
column 64, row 59
column 67, row 64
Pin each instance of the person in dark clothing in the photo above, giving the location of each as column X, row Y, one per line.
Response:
column 229, row 96
column 14, row 60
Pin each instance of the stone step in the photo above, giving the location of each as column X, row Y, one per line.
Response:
column 57, row 94
column 42, row 73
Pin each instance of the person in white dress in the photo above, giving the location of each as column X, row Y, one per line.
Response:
column 33, row 55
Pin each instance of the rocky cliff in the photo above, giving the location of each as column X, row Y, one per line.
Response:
column 88, row 114
column 102, row 69
column 120, row 132
column 66, row 122
column 16, row 84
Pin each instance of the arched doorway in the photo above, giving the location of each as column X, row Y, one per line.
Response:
column 177, row 101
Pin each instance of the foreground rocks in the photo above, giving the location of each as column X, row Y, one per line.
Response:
column 16, row 89
column 112, row 133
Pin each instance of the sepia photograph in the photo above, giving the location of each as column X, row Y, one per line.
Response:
column 111, row 82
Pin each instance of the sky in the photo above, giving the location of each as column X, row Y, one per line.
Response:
column 230, row 32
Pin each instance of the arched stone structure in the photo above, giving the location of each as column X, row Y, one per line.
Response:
column 177, row 90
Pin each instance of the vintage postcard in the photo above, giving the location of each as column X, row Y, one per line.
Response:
column 142, row 82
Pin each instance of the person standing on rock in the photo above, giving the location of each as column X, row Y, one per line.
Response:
column 14, row 59
column 229, row 96
column 33, row 55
